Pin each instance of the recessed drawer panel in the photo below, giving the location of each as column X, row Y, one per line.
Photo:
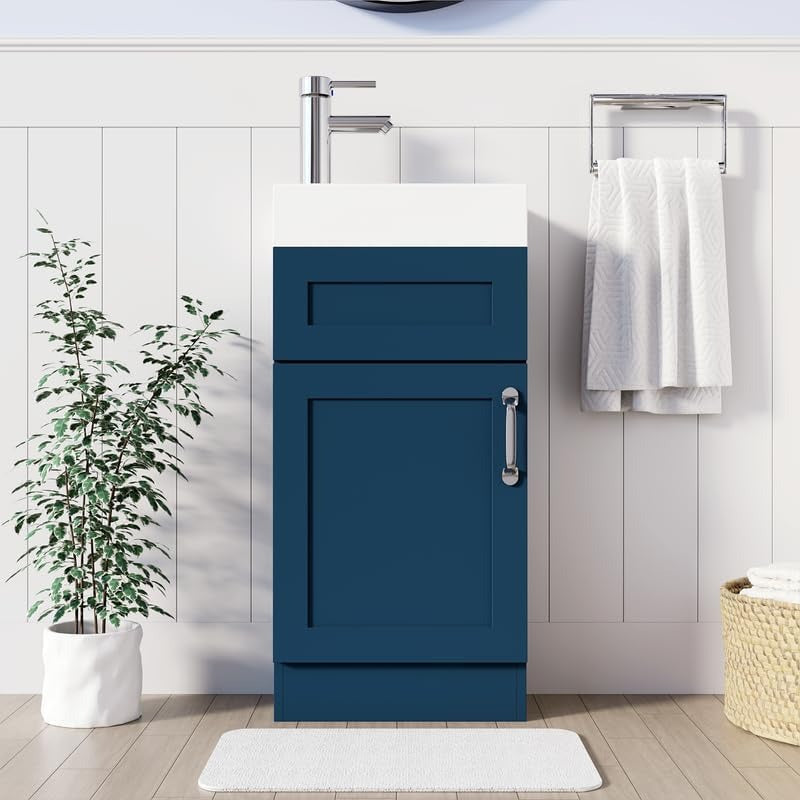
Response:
column 400, row 304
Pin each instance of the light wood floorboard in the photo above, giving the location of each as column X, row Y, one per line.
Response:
column 225, row 713
column 654, row 774
column 535, row 719
column 569, row 712
column 370, row 725
column 711, row 774
column 739, row 747
column 9, row 748
column 104, row 747
column 616, row 786
column 653, row 704
column 72, row 784
column 426, row 724
column 142, row 769
column 179, row 715
column 647, row 747
column 22, row 776
column 774, row 783
column 25, row 722
column 615, row 717
column 264, row 715
column 9, row 703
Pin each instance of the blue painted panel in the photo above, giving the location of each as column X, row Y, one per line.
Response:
column 395, row 538
column 393, row 303
column 408, row 526
column 400, row 303
column 414, row 692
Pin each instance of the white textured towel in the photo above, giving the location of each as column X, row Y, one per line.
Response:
column 781, row 595
column 656, row 332
column 783, row 576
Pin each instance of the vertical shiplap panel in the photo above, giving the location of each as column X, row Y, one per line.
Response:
column 786, row 379
column 276, row 156
column 364, row 158
column 437, row 155
column 213, row 524
column 65, row 184
column 139, row 271
column 735, row 448
column 519, row 155
column 660, row 471
column 585, row 449
column 13, row 327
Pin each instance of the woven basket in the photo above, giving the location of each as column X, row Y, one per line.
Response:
column 762, row 663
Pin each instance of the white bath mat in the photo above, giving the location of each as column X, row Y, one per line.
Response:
column 399, row 760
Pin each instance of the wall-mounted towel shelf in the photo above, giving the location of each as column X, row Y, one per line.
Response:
column 631, row 102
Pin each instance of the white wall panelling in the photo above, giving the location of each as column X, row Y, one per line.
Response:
column 13, row 326
column 735, row 448
column 168, row 161
column 214, row 264
column 437, row 155
column 139, row 267
column 785, row 378
column 660, row 472
column 276, row 160
column 366, row 158
column 586, row 490
column 65, row 185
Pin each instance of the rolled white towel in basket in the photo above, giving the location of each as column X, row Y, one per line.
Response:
column 782, row 576
column 781, row 595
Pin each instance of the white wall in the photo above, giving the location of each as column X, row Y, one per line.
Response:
column 328, row 18
column 166, row 153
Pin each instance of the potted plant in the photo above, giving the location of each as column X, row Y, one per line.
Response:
column 91, row 489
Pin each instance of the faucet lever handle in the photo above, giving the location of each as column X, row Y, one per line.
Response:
column 353, row 85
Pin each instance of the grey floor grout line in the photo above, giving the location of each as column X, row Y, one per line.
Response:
column 128, row 748
column 116, row 763
column 178, row 754
column 702, row 732
column 61, row 764
column 28, row 698
column 608, row 743
column 643, row 718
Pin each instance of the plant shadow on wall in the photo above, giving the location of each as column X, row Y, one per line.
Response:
column 471, row 15
column 91, row 489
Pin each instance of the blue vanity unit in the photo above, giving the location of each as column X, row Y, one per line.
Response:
column 399, row 452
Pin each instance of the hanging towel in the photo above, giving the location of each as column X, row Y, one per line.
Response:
column 656, row 333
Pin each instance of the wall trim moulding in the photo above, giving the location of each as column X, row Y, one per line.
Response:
column 418, row 44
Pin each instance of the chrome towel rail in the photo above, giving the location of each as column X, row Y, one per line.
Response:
column 659, row 101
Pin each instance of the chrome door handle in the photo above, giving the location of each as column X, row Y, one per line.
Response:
column 511, row 470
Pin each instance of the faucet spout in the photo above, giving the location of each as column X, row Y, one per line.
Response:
column 317, row 124
column 363, row 124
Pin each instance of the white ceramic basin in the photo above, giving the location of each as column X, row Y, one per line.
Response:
column 400, row 215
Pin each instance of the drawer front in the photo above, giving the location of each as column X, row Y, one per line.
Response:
column 396, row 538
column 400, row 303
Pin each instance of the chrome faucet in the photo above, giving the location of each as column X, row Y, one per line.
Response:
column 317, row 124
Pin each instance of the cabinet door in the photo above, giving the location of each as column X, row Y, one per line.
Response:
column 396, row 539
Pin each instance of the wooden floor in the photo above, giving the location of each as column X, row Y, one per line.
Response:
column 647, row 747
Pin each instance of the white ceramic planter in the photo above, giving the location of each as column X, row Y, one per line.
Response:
column 91, row 680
